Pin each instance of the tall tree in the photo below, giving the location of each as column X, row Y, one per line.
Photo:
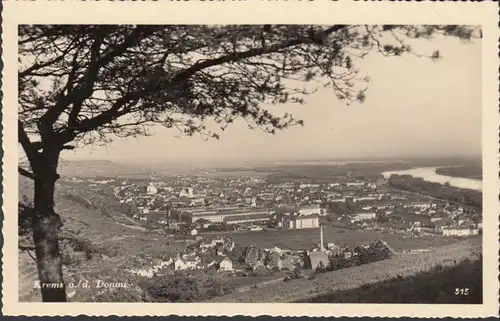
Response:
column 81, row 85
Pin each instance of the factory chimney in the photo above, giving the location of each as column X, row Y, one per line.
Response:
column 321, row 245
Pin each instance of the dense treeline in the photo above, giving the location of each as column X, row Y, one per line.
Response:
column 369, row 253
column 466, row 171
column 446, row 192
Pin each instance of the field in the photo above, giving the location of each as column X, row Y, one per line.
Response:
column 96, row 168
column 305, row 238
column 237, row 173
column 303, row 290
column 242, row 283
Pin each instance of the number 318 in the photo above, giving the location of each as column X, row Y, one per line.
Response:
column 461, row 291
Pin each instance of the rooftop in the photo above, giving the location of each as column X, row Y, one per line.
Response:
column 252, row 216
column 310, row 207
column 305, row 217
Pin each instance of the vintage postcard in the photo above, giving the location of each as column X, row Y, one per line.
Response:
column 221, row 158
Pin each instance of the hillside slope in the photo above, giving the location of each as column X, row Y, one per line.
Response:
column 352, row 278
column 438, row 285
column 90, row 168
column 106, row 233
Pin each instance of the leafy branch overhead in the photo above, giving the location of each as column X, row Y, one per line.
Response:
column 83, row 83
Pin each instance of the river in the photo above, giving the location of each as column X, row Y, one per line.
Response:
column 429, row 174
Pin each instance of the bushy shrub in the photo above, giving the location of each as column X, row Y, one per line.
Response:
column 261, row 271
column 76, row 250
column 182, row 287
column 320, row 268
column 375, row 251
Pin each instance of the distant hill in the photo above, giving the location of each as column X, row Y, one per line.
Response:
column 100, row 168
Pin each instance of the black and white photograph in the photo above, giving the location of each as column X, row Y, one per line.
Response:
column 306, row 164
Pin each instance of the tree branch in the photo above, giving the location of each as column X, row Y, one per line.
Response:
column 91, row 75
column 236, row 56
column 114, row 111
column 28, row 146
column 26, row 173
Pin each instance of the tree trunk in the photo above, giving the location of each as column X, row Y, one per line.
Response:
column 46, row 224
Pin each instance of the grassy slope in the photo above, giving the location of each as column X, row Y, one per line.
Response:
column 100, row 168
column 105, row 233
column 352, row 278
column 435, row 286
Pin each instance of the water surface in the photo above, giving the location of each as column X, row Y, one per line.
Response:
column 429, row 174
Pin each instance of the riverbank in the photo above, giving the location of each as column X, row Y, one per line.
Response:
column 465, row 171
column 430, row 174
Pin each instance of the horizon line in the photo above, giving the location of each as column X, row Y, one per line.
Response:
column 289, row 159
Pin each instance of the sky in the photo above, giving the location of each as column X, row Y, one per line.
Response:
column 414, row 107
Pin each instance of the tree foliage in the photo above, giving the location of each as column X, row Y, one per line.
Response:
column 85, row 82
column 183, row 287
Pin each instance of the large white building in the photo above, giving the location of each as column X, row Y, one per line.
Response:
column 220, row 216
column 355, row 184
column 299, row 222
column 251, row 217
column 311, row 209
column 460, row 231
column 151, row 189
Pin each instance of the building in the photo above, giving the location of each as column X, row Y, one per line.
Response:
column 299, row 222
column 252, row 217
column 311, row 209
column 412, row 218
column 187, row 192
column 197, row 201
column 180, row 264
column 355, row 184
column 420, row 205
column 210, row 215
column 363, row 216
column 318, row 258
column 460, row 231
column 225, row 265
column 229, row 215
column 438, row 217
column 151, row 189
column 363, row 198
column 443, row 224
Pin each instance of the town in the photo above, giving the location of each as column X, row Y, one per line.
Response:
column 250, row 163
column 210, row 211
column 211, row 204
